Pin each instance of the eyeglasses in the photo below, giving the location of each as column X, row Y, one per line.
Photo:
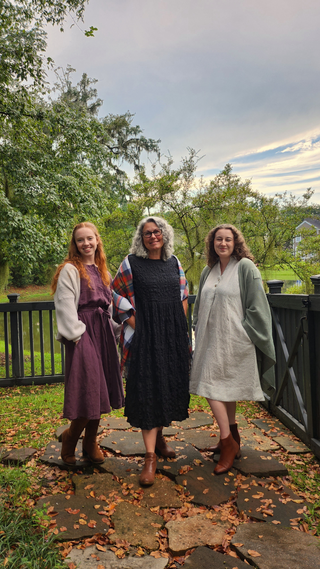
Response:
column 149, row 234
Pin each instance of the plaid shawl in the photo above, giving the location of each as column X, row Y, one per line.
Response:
column 124, row 303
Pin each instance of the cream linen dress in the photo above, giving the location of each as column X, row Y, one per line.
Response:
column 224, row 364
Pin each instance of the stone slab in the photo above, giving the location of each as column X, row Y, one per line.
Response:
column 3, row 452
column 279, row 548
column 120, row 467
column 186, row 455
column 171, row 431
column 163, row 493
column 18, row 455
column 196, row 419
column 98, row 484
column 91, row 558
column 136, row 525
column 126, row 443
column 269, row 502
column 201, row 439
column 255, row 439
column 242, row 421
column 290, row 445
column 68, row 522
column 205, row 558
column 194, row 531
column 117, row 423
column 272, row 426
column 257, row 463
column 52, row 456
column 206, row 488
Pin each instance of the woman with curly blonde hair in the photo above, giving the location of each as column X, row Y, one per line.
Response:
column 150, row 297
column 234, row 347
column 82, row 297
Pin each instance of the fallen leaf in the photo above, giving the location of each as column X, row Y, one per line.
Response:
column 100, row 547
column 205, row 491
column 253, row 553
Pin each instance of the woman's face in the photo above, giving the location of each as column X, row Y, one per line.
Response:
column 224, row 243
column 86, row 242
column 152, row 242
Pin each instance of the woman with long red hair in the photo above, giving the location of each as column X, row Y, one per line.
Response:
column 93, row 384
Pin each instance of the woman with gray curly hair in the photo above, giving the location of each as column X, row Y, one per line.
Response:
column 234, row 347
column 150, row 298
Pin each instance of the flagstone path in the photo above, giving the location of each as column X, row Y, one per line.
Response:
column 188, row 509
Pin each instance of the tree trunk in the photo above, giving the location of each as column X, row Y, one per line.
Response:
column 4, row 275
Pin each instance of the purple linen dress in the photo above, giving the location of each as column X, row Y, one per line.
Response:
column 93, row 381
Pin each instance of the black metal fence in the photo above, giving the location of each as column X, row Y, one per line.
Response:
column 31, row 355
column 296, row 329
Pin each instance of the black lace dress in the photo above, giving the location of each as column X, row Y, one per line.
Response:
column 158, row 376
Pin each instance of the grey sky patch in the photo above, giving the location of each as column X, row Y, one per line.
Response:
column 228, row 78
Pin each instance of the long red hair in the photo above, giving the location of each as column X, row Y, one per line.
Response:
column 74, row 258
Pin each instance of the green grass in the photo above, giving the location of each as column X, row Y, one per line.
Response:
column 30, row 414
column 279, row 275
column 24, row 539
column 28, row 294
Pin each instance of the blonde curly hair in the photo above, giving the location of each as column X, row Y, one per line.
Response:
column 138, row 248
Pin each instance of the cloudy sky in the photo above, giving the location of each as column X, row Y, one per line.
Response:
column 238, row 80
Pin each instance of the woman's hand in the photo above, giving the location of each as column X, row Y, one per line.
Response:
column 185, row 305
column 132, row 321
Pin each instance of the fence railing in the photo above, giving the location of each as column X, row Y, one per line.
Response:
column 296, row 331
column 32, row 355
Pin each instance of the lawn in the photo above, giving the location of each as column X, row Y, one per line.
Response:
column 279, row 275
column 31, row 293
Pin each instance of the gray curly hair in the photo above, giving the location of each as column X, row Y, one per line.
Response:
column 137, row 246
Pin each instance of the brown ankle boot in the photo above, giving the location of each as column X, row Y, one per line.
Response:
column 90, row 447
column 216, row 449
column 229, row 450
column 162, row 446
column 149, row 469
column 70, row 438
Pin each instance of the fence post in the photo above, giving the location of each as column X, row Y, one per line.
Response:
column 15, row 337
column 316, row 283
column 314, row 332
column 275, row 286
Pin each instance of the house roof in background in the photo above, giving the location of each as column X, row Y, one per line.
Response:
column 311, row 221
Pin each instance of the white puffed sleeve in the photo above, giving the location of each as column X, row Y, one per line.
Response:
column 66, row 300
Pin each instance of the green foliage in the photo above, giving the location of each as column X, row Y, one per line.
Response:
column 24, row 539
column 193, row 206
column 296, row 289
